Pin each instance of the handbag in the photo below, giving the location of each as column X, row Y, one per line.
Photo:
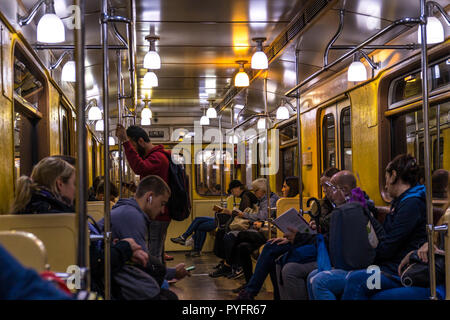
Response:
column 136, row 284
column 417, row 273
column 239, row 224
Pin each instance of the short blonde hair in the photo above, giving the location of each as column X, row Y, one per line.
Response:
column 259, row 184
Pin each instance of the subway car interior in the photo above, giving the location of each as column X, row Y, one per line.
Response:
column 273, row 135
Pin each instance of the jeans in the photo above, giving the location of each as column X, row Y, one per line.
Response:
column 246, row 243
column 157, row 237
column 200, row 225
column 357, row 287
column 326, row 285
column 266, row 266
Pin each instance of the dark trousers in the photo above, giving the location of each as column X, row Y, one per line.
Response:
column 246, row 243
column 266, row 266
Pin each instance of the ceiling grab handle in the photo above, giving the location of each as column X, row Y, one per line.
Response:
column 336, row 36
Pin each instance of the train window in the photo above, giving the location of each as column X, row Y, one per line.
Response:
column 329, row 141
column 346, row 140
column 288, row 133
column 408, row 135
column 410, row 86
column 94, row 159
column 208, row 173
column 289, row 161
column 64, row 130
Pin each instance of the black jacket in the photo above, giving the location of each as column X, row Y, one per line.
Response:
column 43, row 201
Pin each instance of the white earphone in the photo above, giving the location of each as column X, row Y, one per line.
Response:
column 150, row 199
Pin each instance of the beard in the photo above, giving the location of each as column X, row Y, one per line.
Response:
column 141, row 151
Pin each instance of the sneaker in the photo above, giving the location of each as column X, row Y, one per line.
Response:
column 236, row 273
column 245, row 295
column 179, row 240
column 221, row 272
column 220, row 264
column 167, row 257
column 239, row 289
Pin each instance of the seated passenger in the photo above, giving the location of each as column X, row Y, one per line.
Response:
column 130, row 218
column 290, row 187
column 199, row 227
column 51, row 189
column 100, row 191
column 440, row 181
column 404, row 231
column 92, row 196
column 274, row 248
column 241, row 244
column 248, row 200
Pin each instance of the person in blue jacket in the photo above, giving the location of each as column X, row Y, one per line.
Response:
column 20, row 283
column 404, row 229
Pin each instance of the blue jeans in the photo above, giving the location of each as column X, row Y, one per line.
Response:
column 265, row 266
column 326, row 285
column 200, row 225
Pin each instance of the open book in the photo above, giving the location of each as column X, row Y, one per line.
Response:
column 291, row 218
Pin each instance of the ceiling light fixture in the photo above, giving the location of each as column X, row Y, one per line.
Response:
column 211, row 113
column 259, row 58
column 150, row 80
column 204, row 120
column 241, row 79
column 99, row 125
column 94, row 112
column 152, row 59
column 50, row 28
column 283, row 111
column 357, row 70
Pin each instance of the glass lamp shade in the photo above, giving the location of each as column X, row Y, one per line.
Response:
column 211, row 113
column 145, row 122
column 99, row 125
column 50, row 29
column 111, row 141
column 357, row 72
column 68, row 72
column 259, row 60
column 435, row 31
column 146, row 113
column 204, row 121
column 282, row 113
column 94, row 113
column 152, row 60
column 261, row 125
column 241, row 79
column 150, row 80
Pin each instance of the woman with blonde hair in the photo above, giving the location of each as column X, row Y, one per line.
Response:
column 49, row 189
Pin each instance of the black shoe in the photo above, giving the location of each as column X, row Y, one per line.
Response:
column 245, row 295
column 236, row 273
column 220, row 264
column 193, row 254
column 238, row 289
column 178, row 240
column 221, row 272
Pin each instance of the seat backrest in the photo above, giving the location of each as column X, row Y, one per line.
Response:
column 95, row 209
column 26, row 248
column 57, row 231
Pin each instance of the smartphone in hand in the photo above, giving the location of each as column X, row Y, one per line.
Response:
column 190, row 268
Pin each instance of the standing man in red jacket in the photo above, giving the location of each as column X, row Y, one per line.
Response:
column 147, row 159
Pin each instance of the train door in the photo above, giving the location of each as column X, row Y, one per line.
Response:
column 336, row 137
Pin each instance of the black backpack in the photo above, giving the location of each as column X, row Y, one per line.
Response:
column 353, row 240
column 179, row 202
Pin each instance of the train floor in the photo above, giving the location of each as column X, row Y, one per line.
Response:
column 200, row 286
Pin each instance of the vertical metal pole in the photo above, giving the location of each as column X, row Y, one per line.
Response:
column 119, row 108
column 267, row 153
column 232, row 144
column 425, row 105
column 107, row 227
column 438, row 133
column 417, row 137
column 80, row 102
column 299, row 136
column 221, row 162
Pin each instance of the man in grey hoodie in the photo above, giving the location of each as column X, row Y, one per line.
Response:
column 130, row 218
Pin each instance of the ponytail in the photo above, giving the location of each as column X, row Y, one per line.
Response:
column 24, row 190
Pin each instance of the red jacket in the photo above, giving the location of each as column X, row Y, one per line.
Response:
column 154, row 163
